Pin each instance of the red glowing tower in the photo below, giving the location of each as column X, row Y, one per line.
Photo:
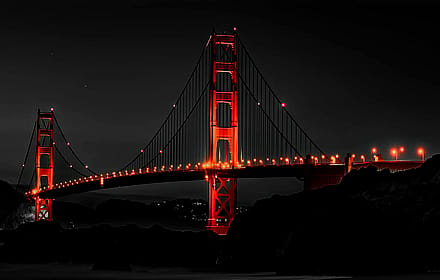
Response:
column 44, row 165
column 223, row 189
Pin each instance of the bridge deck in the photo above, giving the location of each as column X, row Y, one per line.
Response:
column 320, row 174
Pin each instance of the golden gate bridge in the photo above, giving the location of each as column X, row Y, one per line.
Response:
column 227, row 123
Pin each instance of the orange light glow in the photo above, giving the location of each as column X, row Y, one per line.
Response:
column 374, row 150
column 420, row 151
column 402, row 149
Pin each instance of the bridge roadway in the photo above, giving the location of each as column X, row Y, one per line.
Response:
column 314, row 176
column 115, row 180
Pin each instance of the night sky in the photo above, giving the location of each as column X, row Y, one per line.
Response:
column 354, row 76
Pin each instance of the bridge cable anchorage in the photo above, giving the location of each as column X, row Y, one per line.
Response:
column 70, row 147
column 24, row 164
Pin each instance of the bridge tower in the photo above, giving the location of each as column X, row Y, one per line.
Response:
column 44, row 165
column 223, row 137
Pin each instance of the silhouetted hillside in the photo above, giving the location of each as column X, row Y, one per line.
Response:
column 179, row 213
column 9, row 200
column 111, row 248
column 373, row 222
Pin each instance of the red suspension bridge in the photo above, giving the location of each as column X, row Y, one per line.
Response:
column 227, row 123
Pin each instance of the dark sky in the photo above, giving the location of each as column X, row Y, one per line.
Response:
column 354, row 76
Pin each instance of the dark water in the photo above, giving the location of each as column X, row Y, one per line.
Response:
column 69, row 271
column 66, row 271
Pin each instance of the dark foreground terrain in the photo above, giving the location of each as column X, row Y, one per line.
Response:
column 373, row 223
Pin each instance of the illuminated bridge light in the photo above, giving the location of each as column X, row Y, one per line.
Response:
column 353, row 155
column 261, row 161
column 286, row 160
column 283, row 105
column 142, row 150
column 402, row 149
column 421, row 153
column 273, row 161
column 160, row 151
column 68, row 143
column 249, row 162
column 86, row 166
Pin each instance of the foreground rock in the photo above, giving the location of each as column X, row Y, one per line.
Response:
column 373, row 222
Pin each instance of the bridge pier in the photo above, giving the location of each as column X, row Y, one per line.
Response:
column 222, row 203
